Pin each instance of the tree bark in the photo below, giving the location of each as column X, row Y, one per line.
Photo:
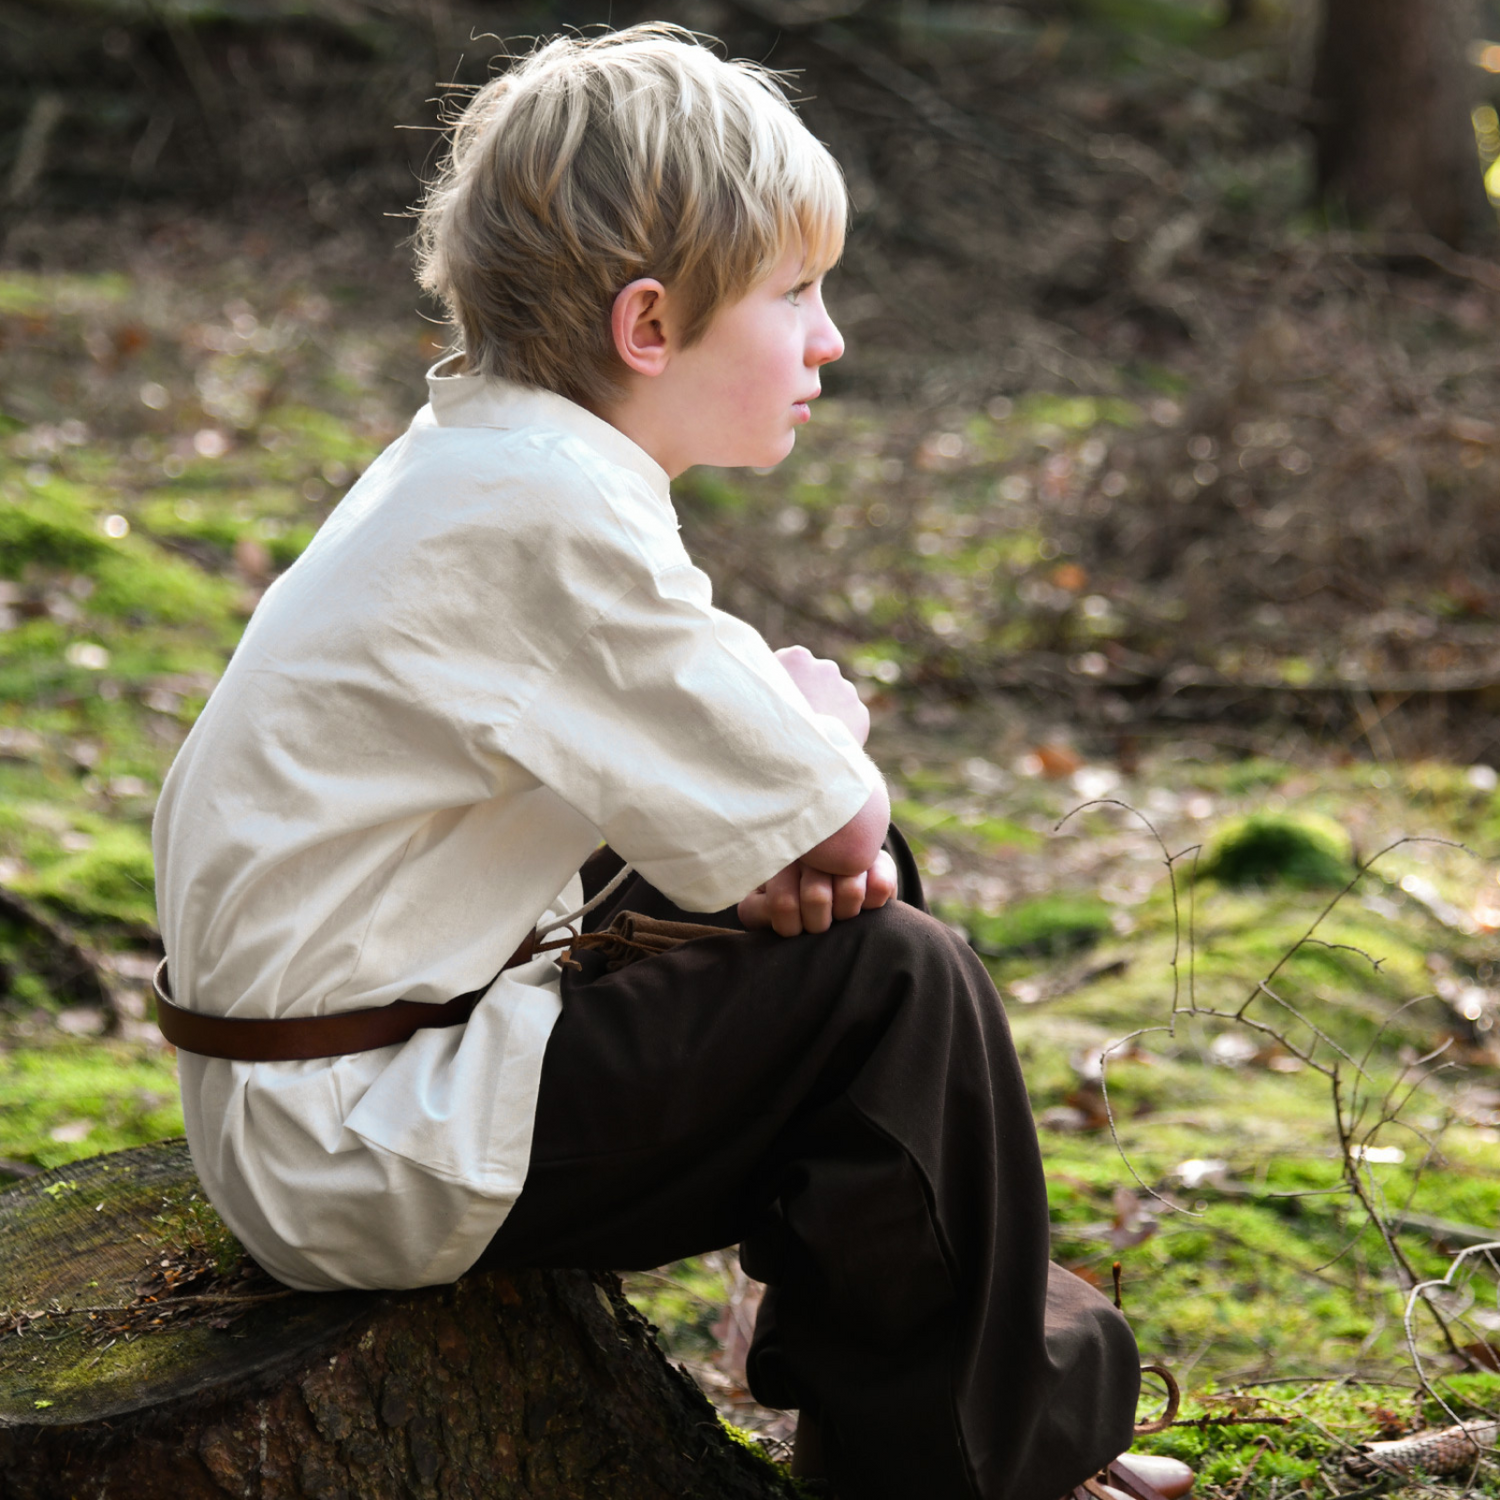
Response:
column 546, row 1385
column 1391, row 96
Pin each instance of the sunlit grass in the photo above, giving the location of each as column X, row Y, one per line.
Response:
column 65, row 1099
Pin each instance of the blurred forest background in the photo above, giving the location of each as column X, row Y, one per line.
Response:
column 1163, row 468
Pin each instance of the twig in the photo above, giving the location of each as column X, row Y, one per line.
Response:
column 20, row 1321
column 1168, row 859
column 1369, row 958
column 1230, row 1420
column 1174, row 1401
column 1114, row 1133
column 1381, row 1029
column 1350, row 1107
column 1422, row 1290
column 1260, row 1452
column 1359, row 875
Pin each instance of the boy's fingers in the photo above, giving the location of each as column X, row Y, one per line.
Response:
column 753, row 911
column 880, row 881
column 848, row 897
column 776, row 904
column 816, row 901
column 801, row 899
column 784, row 901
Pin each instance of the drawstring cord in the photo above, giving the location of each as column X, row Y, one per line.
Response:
column 588, row 905
column 538, row 943
column 630, row 937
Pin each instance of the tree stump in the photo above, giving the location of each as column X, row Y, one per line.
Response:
column 142, row 1357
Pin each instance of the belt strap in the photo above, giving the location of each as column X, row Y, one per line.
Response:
column 296, row 1038
column 629, row 938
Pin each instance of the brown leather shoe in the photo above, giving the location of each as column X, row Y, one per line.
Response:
column 1167, row 1476
column 1138, row 1476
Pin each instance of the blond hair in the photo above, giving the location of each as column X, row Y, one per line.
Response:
column 592, row 162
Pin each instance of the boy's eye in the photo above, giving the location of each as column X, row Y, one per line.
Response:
column 795, row 295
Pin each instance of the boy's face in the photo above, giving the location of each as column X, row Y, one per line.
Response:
column 737, row 396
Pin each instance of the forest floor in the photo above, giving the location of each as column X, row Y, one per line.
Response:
column 137, row 542
column 1175, row 605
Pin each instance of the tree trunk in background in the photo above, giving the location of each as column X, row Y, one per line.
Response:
column 537, row 1384
column 1391, row 94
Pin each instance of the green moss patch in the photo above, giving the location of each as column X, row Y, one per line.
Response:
column 112, row 879
column 1268, row 848
column 66, row 1100
column 1048, row 926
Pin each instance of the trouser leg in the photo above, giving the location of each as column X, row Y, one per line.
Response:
column 848, row 1105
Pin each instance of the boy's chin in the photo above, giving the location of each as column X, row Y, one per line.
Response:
column 763, row 455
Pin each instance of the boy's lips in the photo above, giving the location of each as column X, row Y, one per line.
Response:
column 800, row 407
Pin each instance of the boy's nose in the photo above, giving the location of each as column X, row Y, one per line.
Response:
column 826, row 344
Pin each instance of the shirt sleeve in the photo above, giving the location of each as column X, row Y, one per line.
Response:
column 673, row 729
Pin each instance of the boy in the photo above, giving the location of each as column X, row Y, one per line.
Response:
column 497, row 654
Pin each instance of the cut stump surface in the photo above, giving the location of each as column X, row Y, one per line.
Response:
column 532, row 1383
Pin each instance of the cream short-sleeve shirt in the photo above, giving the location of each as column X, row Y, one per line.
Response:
column 495, row 654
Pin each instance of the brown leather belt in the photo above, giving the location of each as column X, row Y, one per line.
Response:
column 629, row 938
column 296, row 1038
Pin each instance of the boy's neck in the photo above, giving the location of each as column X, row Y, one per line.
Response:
column 648, row 428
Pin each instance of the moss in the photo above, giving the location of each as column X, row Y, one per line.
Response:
column 54, row 529
column 189, row 1222
column 48, row 529
column 112, row 879
column 210, row 533
column 1048, row 925
column 128, row 1095
column 746, row 1440
column 1253, row 775
column 917, row 818
column 1266, row 848
column 27, row 295
column 74, row 1365
column 310, row 434
column 684, row 1299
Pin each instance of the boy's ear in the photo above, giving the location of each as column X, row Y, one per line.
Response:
column 638, row 326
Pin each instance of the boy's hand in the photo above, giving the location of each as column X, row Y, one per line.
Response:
column 828, row 691
column 802, row 899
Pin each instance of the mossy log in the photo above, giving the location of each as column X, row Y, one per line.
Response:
column 536, row 1384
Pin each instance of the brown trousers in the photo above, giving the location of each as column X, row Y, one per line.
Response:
column 849, row 1107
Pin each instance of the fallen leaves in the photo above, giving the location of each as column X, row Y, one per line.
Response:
column 178, row 1286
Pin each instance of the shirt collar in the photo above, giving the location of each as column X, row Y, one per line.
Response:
column 485, row 401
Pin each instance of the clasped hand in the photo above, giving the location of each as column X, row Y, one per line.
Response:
column 802, row 899
column 814, row 892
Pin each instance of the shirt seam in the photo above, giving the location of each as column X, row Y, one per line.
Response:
column 607, row 609
column 520, row 721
